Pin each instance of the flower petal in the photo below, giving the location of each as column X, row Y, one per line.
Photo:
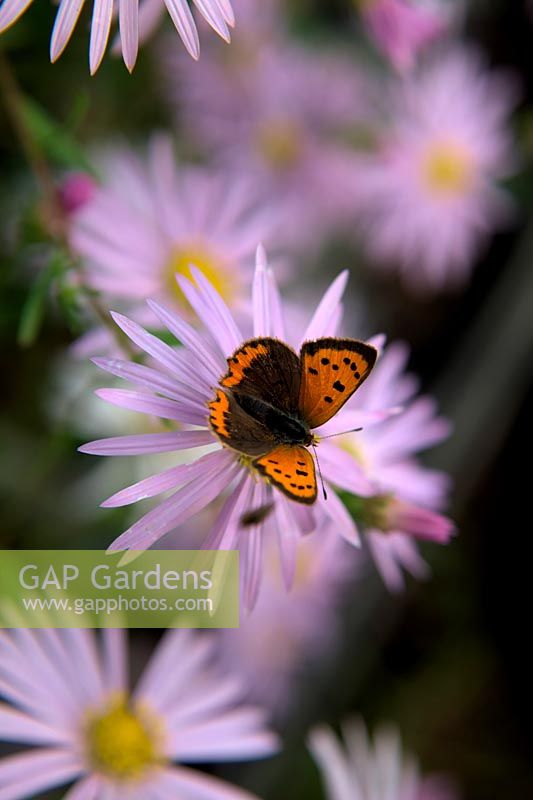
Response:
column 182, row 18
column 162, row 482
column 100, row 28
column 181, row 505
column 212, row 13
column 146, row 403
column 65, row 22
column 27, row 774
column 11, row 10
column 143, row 443
column 326, row 311
column 128, row 11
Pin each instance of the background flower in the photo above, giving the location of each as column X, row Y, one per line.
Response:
column 68, row 695
column 281, row 112
column 369, row 770
column 152, row 219
column 430, row 195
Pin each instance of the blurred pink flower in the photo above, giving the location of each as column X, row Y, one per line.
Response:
column 402, row 28
column 406, row 493
column 151, row 219
column 68, row 695
column 290, row 634
column 75, row 191
column 187, row 384
column 372, row 770
column 282, row 113
column 134, row 22
column 428, row 198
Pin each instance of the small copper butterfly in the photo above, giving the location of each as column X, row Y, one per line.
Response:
column 270, row 399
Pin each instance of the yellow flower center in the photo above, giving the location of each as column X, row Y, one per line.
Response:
column 198, row 255
column 447, row 169
column 279, row 143
column 124, row 743
column 351, row 444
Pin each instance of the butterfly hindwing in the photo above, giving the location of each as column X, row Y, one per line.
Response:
column 267, row 369
column 236, row 428
column 290, row 468
column 331, row 371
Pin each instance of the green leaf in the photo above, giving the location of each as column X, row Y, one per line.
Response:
column 56, row 142
column 33, row 310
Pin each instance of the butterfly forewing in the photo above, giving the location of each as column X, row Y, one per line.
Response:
column 331, row 371
column 236, row 428
column 291, row 469
column 267, row 369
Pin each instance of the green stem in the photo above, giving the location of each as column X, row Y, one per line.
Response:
column 54, row 216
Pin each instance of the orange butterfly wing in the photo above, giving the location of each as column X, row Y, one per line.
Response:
column 291, row 468
column 331, row 371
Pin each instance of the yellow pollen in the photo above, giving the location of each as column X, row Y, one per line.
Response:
column 199, row 255
column 447, row 169
column 279, row 144
column 123, row 742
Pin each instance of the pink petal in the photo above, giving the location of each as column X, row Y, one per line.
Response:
column 321, row 322
column 11, row 10
column 65, row 22
column 260, row 296
column 211, row 12
column 157, row 382
column 149, row 404
column 338, row 513
column 15, row 726
column 171, row 358
column 233, row 734
column 180, row 506
column 100, row 28
column 129, row 31
column 162, row 482
column 28, row 774
column 189, row 784
column 115, row 659
column 186, row 334
column 147, row 443
column 183, row 20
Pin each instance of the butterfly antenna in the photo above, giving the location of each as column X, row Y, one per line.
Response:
column 320, row 473
column 341, row 433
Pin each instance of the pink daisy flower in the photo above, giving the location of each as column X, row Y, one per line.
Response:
column 69, row 699
column 372, row 770
column 290, row 634
column 151, row 219
column 429, row 196
column 280, row 112
column 135, row 22
column 407, row 495
column 400, row 29
column 179, row 389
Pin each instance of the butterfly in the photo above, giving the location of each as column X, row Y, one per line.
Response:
column 271, row 398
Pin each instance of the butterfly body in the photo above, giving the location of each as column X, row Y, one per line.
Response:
column 270, row 399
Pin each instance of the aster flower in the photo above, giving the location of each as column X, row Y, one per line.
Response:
column 429, row 195
column 372, row 770
column 181, row 393
column 134, row 23
column 400, row 29
column 280, row 112
column 68, row 698
column 407, row 495
column 151, row 219
column 290, row 634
